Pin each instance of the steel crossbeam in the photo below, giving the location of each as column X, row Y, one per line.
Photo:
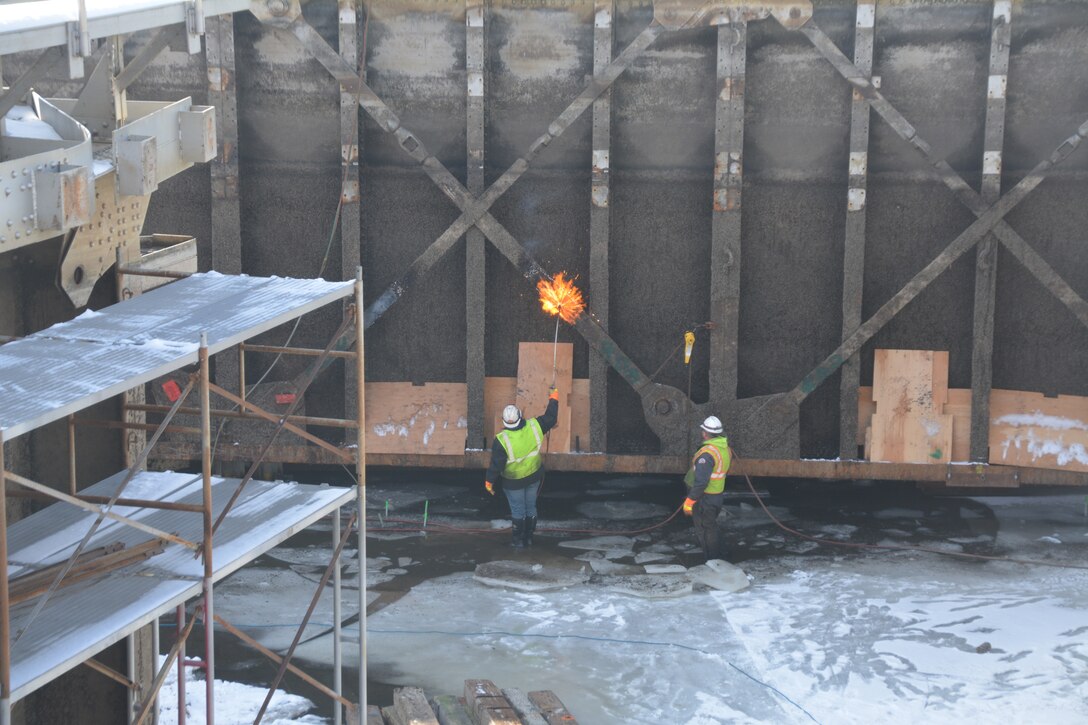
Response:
column 990, row 218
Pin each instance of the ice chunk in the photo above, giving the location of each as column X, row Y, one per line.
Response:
column 403, row 561
column 665, row 569
column 645, row 557
column 658, row 586
column 622, row 510
column 599, row 543
column 1050, row 539
column 604, row 566
column 719, row 574
column 528, row 577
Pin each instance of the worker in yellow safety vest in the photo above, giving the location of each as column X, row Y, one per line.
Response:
column 517, row 460
column 706, row 483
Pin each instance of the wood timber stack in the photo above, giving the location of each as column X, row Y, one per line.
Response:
column 483, row 703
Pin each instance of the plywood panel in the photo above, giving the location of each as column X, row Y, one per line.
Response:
column 535, row 362
column 866, row 408
column 407, row 418
column 910, row 388
column 498, row 393
column 958, row 406
column 1029, row 429
column 579, row 415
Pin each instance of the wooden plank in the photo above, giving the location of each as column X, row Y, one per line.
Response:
column 451, row 710
column 407, row 418
column 526, row 710
column 535, row 364
column 412, row 708
column 498, row 393
column 866, row 408
column 579, row 415
column 958, row 406
column 910, row 388
column 1031, row 430
column 552, row 708
column 498, row 716
column 476, row 689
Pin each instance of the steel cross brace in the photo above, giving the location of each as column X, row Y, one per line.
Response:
column 990, row 218
column 661, row 403
column 778, row 414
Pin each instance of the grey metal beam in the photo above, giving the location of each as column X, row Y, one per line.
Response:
column 24, row 82
column 853, row 269
column 959, row 246
column 19, row 33
column 351, row 141
column 725, row 240
column 150, row 51
column 600, row 222
column 990, row 218
column 986, row 254
column 473, row 209
column 226, row 236
column 475, row 258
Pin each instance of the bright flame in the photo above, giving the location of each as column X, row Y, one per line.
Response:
column 560, row 297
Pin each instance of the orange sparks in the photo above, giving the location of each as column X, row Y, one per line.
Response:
column 560, row 297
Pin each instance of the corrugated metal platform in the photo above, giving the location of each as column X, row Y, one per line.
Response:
column 85, row 618
column 71, row 365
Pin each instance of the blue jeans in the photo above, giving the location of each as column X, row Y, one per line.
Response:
column 522, row 500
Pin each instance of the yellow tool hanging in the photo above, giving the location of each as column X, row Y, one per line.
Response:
column 689, row 343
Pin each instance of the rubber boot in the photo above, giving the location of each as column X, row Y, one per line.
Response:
column 530, row 527
column 517, row 539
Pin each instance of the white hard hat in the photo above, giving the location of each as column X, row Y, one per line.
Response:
column 511, row 416
column 712, row 425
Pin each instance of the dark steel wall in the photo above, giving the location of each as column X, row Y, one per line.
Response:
column 931, row 58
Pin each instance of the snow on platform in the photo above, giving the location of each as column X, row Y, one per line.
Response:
column 85, row 618
column 65, row 368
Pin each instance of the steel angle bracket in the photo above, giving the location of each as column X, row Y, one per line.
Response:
column 684, row 14
column 159, row 141
column 46, row 184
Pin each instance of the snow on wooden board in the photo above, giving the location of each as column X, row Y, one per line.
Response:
column 71, row 365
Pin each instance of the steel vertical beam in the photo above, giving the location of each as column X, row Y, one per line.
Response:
column 986, row 253
column 226, row 241
column 207, row 549
column 725, row 242
column 351, row 133
column 853, row 266
column 600, row 222
column 475, row 277
column 337, row 618
column 179, row 627
column 5, row 601
column 360, row 474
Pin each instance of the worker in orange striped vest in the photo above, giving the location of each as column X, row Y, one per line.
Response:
column 706, row 484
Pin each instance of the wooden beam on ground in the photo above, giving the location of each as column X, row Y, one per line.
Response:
column 552, row 708
column 986, row 253
column 853, row 270
column 600, row 222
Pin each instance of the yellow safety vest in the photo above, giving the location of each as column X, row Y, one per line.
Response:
column 522, row 448
column 718, row 449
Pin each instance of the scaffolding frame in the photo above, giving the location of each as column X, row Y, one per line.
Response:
column 200, row 381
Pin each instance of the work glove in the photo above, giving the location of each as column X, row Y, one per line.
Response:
column 490, row 487
column 688, row 504
column 553, row 394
